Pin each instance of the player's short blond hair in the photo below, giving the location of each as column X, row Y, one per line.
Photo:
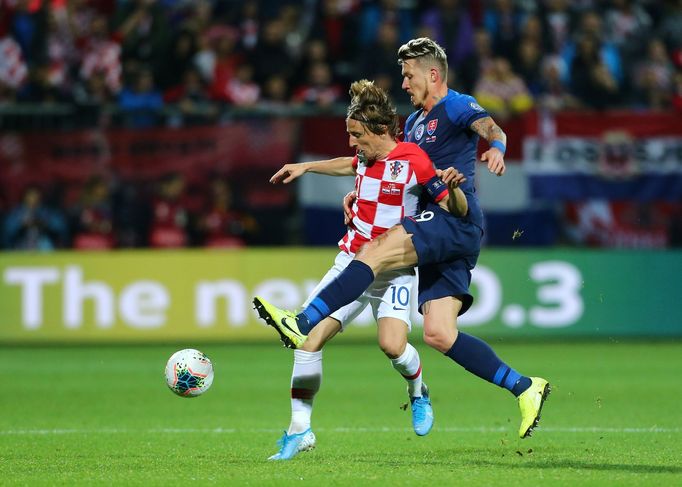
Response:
column 427, row 52
column 372, row 106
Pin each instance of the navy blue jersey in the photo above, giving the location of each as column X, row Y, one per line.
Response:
column 444, row 134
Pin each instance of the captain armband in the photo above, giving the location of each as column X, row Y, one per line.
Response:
column 436, row 188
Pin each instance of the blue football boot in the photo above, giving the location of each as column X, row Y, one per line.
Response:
column 291, row 445
column 422, row 413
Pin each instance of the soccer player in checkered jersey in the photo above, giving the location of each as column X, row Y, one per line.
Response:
column 389, row 179
column 447, row 125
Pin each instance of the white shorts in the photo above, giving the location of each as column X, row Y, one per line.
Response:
column 389, row 294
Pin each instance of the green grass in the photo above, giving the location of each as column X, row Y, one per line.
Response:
column 102, row 415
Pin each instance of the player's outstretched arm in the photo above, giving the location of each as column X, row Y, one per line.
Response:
column 456, row 202
column 339, row 166
column 490, row 131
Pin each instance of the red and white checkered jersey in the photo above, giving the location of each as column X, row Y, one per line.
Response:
column 387, row 190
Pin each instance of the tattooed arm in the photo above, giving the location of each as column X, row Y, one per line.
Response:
column 490, row 131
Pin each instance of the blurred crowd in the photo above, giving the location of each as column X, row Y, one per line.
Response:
column 185, row 61
column 194, row 62
column 169, row 213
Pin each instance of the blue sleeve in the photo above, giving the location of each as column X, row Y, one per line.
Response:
column 463, row 110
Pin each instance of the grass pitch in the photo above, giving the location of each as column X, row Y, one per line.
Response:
column 103, row 415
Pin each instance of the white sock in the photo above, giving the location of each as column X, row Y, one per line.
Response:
column 306, row 378
column 409, row 366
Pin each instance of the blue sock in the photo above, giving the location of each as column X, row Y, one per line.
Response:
column 346, row 288
column 477, row 357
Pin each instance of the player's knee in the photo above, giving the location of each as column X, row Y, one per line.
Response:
column 439, row 339
column 391, row 347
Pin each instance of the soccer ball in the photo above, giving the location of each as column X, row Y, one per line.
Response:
column 189, row 373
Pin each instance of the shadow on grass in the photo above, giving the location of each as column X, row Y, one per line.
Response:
column 532, row 464
column 583, row 465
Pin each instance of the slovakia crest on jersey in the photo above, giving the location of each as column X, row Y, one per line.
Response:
column 419, row 133
column 431, row 126
column 395, row 167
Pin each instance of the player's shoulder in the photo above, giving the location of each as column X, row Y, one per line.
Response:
column 460, row 101
column 411, row 118
column 408, row 149
column 411, row 152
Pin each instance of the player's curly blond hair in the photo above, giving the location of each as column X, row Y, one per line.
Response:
column 372, row 106
column 427, row 52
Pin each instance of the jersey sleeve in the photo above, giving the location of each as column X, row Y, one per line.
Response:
column 426, row 176
column 408, row 124
column 463, row 110
column 355, row 163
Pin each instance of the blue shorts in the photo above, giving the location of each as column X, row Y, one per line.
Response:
column 447, row 249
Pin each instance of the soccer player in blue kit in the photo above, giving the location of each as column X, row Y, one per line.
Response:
column 447, row 125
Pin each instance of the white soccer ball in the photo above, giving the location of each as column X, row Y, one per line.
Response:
column 189, row 373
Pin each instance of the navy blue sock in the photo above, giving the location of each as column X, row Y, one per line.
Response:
column 477, row 357
column 346, row 288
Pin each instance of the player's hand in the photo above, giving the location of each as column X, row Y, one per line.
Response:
column 495, row 160
column 451, row 176
column 348, row 201
column 288, row 173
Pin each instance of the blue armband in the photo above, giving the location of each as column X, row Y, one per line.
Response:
column 499, row 146
column 435, row 187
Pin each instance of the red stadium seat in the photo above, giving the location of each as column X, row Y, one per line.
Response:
column 225, row 242
column 167, row 238
column 92, row 241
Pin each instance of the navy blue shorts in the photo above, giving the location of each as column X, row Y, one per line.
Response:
column 447, row 249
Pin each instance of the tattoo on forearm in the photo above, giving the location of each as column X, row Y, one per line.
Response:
column 495, row 132
column 489, row 130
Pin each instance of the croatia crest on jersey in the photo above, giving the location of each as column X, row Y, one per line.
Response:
column 431, row 126
column 395, row 167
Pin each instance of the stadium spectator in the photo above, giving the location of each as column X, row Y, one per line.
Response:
column 271, row 57
column 93, row 216
column 627, row 26
column 501, row 92
column 40, row 89
column 189, row 102
column 557, row 22
column 528, row 65
column 449, row 23
column 336, row 24
column 554, row 95
column 376, row 61
column 31, row 225
column 144, row 32
column 218, row 61
column 249, row 24
column 320, row 90
column 141, row 102
column 13, row 68
column 504, row 23
column 101, row 55
column 380, row 12
column 603, row 51
column 242, row 91
column 170, row 217
column 178, row 59
column 653, row 77
column 591, row 80
column 28, row 26
column 221, row 225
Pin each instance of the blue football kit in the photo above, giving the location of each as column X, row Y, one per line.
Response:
column 447, row 246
